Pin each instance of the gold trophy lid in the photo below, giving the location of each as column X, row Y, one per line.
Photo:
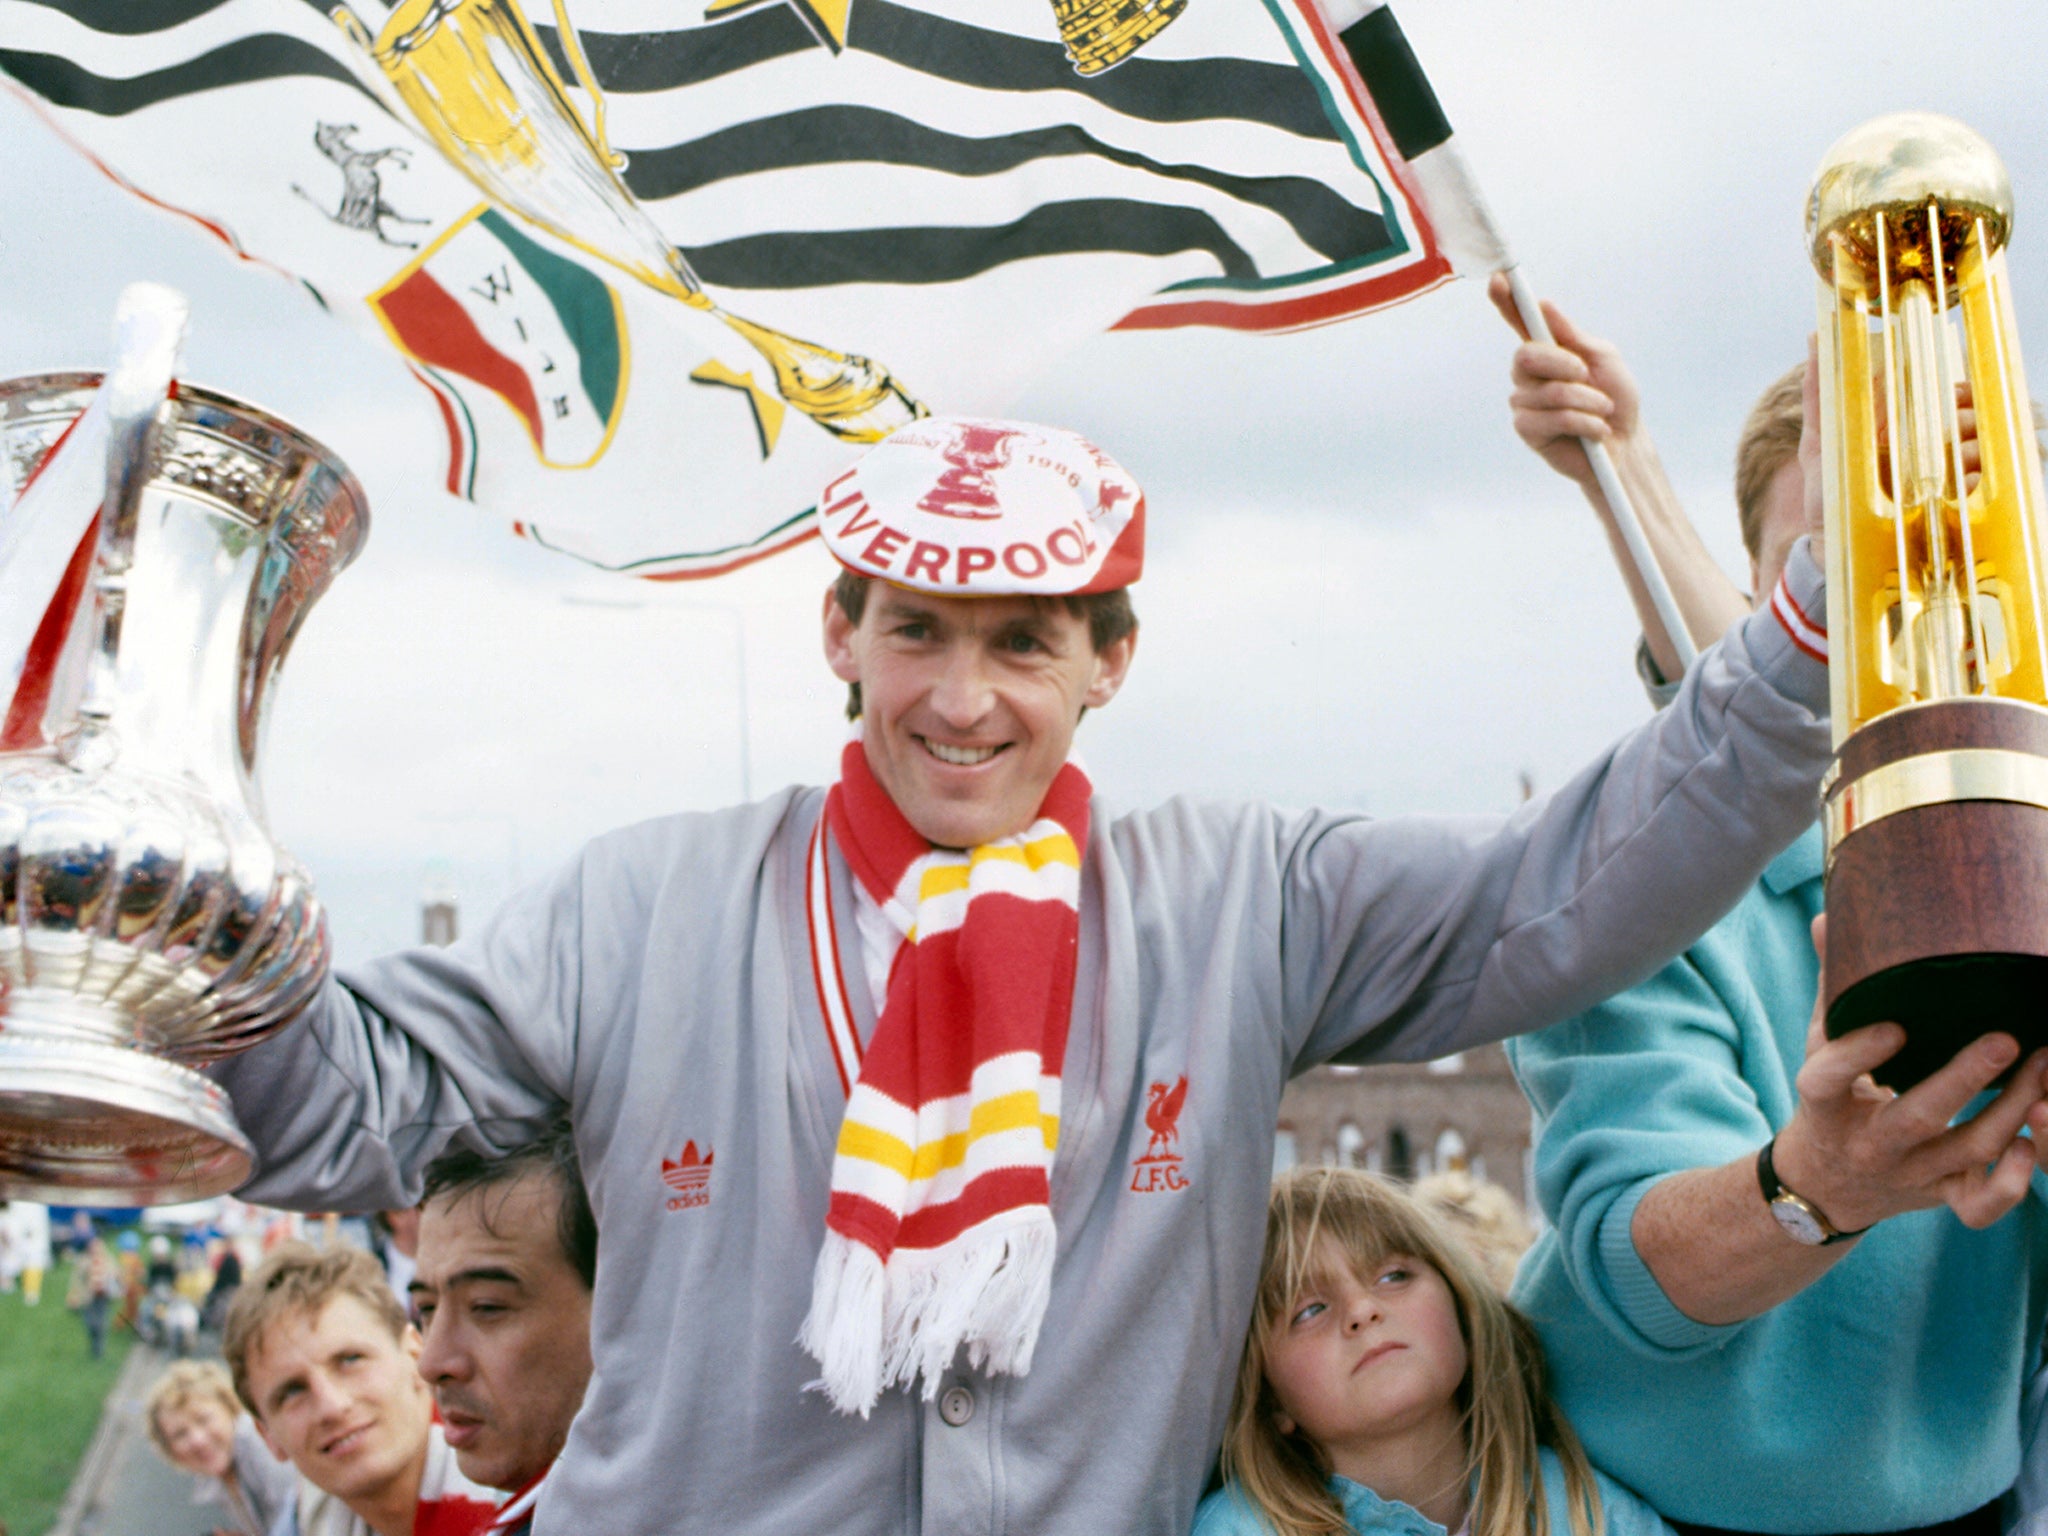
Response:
column 1896, row 165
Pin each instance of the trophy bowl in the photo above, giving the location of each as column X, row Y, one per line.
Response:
column 148, row 922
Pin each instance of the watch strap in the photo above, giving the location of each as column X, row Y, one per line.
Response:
column 1775, row 1191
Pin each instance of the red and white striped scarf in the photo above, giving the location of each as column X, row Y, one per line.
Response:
column 940, row 1229
column 449, row 1503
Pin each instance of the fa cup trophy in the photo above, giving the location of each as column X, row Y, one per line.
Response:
column 148, row 924
column 1937, row 801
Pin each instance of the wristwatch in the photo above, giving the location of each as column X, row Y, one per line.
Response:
column 1803, row 1221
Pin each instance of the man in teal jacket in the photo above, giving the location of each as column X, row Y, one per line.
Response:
column 1849, row 1357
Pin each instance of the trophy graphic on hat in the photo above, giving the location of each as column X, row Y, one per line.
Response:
column 1937, row 801
column 148, row 923
column 474, row 77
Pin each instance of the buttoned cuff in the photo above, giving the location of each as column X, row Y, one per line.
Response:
column 1634, row 1291
column 1788, row 636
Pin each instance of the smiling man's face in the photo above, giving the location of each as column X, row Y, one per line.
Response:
column 339, row 1397
column 969, row 704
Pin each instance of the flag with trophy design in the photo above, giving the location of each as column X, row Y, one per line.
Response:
column 661, row 267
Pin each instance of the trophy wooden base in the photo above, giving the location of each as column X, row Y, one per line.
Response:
column 1937, row 883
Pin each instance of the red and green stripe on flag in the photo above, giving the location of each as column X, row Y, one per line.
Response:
column 489, row 304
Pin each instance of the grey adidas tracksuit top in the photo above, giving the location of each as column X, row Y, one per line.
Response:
column 661, row 987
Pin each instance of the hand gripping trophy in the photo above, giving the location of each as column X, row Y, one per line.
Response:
column 473, row 76
column 1937, row 802
column 148, row 924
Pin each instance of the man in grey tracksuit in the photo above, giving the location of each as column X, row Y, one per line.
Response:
column 668, row 988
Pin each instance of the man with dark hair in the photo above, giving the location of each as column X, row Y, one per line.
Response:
column 1109, row 616
column 507, row 1259
column 950, row 1090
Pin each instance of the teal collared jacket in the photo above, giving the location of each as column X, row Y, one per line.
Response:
column 1227, row 1512
column 1885, row 1395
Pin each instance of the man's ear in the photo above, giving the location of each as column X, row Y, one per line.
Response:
column 1112, row 666
column 839, row 630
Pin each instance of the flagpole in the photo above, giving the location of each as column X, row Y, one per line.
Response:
column 1619, row 507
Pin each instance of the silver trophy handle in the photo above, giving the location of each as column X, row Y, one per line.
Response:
column 149, row 330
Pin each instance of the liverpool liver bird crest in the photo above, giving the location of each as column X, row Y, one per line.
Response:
column 1162, row 1115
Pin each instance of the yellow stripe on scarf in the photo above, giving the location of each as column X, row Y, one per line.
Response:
column 952, row 877
column 1011, row 1112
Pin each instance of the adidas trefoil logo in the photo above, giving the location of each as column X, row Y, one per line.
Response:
column 689, row 1176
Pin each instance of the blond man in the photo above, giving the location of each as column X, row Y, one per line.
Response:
column 322, row 1355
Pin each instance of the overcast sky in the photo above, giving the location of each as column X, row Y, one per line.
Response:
column 1360, row 589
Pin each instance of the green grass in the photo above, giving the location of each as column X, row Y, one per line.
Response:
column 50, row 1395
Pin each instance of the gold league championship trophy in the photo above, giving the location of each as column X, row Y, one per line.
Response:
column 148, row 923
column 1937, row 801
column 473, row 76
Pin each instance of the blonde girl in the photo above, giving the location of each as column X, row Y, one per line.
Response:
column 199, row 1426
column 1386, row 1387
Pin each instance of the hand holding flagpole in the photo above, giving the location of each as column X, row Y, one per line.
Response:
column 1620, row 508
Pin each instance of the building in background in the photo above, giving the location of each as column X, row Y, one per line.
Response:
column 1411, row 1119
column 438, row 925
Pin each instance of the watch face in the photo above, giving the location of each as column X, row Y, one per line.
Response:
column 1800, row 1224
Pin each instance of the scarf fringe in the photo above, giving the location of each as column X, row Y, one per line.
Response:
column 843, row 1332
column 872, row 1328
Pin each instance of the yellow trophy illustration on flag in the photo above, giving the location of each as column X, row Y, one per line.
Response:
column 1101, row 34
column 473, row 76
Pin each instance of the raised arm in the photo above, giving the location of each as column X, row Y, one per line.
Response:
column 489, row 1039
column 1859, row 1154
column 1418, row 936
column 349, row 1102
column 1652, row 1108
column 1581, row 387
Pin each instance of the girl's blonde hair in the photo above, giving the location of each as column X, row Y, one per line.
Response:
column 1505, row 1397
column 185, row 1382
